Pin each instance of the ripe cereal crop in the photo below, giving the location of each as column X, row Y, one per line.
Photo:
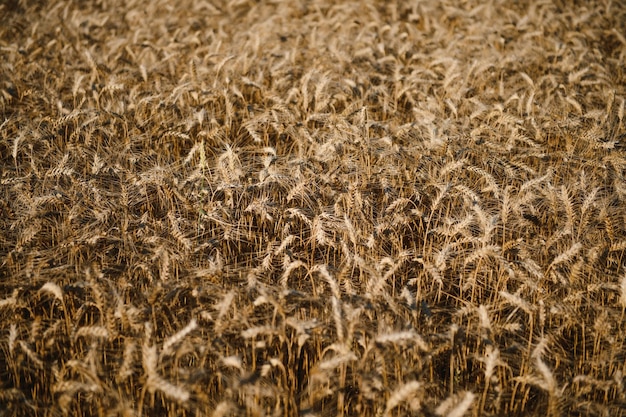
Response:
column 312, row 208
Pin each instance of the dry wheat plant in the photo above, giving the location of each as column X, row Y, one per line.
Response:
column 312, row 208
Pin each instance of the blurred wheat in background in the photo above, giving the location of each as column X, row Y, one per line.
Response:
column 312, row 208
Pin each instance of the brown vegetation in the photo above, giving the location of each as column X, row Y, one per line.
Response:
column 306, row 208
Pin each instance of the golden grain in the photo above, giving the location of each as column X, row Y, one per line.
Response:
column 309, row 208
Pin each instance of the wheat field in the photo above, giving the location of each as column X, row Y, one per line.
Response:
column 312, row 208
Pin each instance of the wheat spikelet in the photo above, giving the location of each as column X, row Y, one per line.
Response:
column 587, row 204
column 618, row 246
column 622, row 292
column 558, row 235
column 301, row 190
column 511, row 327
column 97, row 332
column 222, row 409
column 450, row 167
column 98, row 296
column 322, row 97
column 575, row 104
column 266, row 265
column 319, row 232
column 487, row 223
column 68, row 390
column 11, row 395
column 71, row 387
column 299, row 214
column 259, row 206
column 303, row 328
column 252, row 277
column 402, row 394
column 567, row 255
column 528, row 79
column 489, row 179
column 163, row 255
column 332, row 283
column 222, row 308
column 16, row 146
column 156, row 383
column 547, row 382
column 126, row 369
column 229, row 166
column 76, row 87
column 487, row 250
column 305, row 89
column 61, row 169
column 112, row 87
column 284, row 279
column 531, row 183
column 377, row 283
column 595, row 383
column 469, row 193
column 33, row 356
column 12, row 338
column 10, row 301
column 533, row 268
column 452, row 228
column 335, row 362
column 253, row 332
column 569, row 209
column 35, row 329
column 443, row 191
column 198, row 147
column 530, row 103
column 251, row 127
column 442, row 256
column 54, row 289
column 399, row 203
column 434, row 272
column 337, row 317
column 517, row 301
column 491, row 360
column 455, row 407
column 273, row 363
column 402, row 337
column 483, row 315
column 285, row 243
column 232, row 362
column 178, row 337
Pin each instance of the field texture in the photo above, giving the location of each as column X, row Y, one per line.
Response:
column 283, row 208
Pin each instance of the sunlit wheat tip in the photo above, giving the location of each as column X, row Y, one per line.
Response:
column 179, row 336
column 454, row 406
column 401, row 395
column 54, row 289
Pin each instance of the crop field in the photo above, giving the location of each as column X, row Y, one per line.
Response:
column 312, row 208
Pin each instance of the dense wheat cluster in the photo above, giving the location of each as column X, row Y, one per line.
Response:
column 290, row 208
